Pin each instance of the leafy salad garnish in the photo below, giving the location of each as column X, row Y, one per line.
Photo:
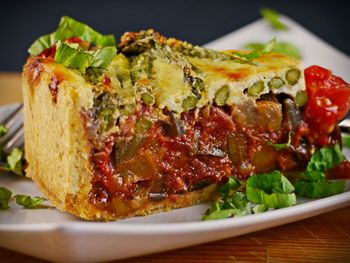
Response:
column 346, row 141
column 69, row 27
column 26, row 201
column 263, row 191
column 94, row 62
column 273, row 190
column 72, row 56
column 314, row 183
column 285, row 48
column 14, row 162
column 3, row 130
column 29, row 202
column 5, row 196
column 273, row 18
column 265, row 49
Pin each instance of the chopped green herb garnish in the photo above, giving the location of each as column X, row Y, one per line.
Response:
column 5, row 196
column 14, row 162
column 231, row 185
column 71, row 56
column 318, row 189
column 263, row 49
column 273, row 17
column 285, row 48
column 346, row 141
column 68, row 28
column 29, row 202
column 3, row 130
column 314, row 183
column 271, row 189
column 234, row 205
column 322, row 160
column 281, row 146
column 260, row 208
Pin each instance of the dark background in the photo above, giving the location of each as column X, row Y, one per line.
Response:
column 199, row 22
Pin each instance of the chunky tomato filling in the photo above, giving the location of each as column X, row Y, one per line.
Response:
column 153, row 159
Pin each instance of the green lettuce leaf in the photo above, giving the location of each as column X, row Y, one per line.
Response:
column 228, row 187
column 322, row 160
column 314, row 184
column 5, row 196
column 71, row 56
column 271, row 189
column 3, row 130
column 14, row 161
column 318, row 189
column 285, row 48
column 103, row 57
column 235, row 205
column 263, row 49
column 231, row 203
column 29, row 202
column 68, row 28
column 273, row 17
column 260, row 208
column 346, row 141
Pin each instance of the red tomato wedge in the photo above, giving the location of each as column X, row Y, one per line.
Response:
column 328, row 103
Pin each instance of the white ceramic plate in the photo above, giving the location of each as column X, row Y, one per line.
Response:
column 53, row 235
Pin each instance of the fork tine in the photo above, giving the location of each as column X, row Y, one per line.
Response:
column 18, row 134
column 11, row 120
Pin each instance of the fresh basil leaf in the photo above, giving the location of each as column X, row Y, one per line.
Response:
column 281, row 146
column 228, row 187
column 285, row 48
column 3, row 130
column 318, row 189
column 29, row 202
column 314, row 176
column 42, row 43
column 103, row 57
column 346, row 141
column 273, row 17
column 271, row 189
column 14, row 161
column 220, row 214
column 260, row 208
column 68, row 28
column 5, row 196
column 264, row 49
column 271, row 182
column 274, row 200
column 322, row 160
column 230, row 204
column 238, row 200
column 72, row 57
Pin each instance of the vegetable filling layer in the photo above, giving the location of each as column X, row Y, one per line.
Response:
column 154, row 158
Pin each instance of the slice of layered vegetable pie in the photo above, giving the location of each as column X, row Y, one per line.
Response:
column 151, row 124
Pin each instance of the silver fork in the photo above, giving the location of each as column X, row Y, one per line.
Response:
column 13, row 137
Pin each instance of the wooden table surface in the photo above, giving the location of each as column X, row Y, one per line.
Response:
column 324, row 238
